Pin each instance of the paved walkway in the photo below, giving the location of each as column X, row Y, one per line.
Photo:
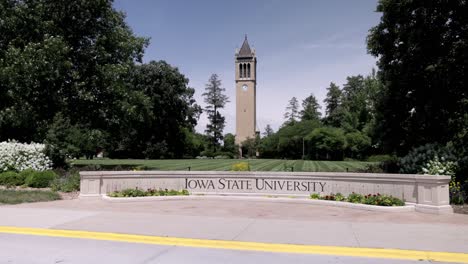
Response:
column 254, row 221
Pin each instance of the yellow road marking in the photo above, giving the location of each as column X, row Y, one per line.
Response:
column 239, row 245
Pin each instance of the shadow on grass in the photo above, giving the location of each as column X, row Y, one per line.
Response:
column 20, row 196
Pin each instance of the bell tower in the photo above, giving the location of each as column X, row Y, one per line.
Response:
column 246, row 90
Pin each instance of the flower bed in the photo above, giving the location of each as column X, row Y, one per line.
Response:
column 149, row 192
column 370, row 199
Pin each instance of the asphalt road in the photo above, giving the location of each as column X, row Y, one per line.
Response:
column 25, row 249
column 352, row 236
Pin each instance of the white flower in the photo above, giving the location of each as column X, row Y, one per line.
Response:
column 22, row 156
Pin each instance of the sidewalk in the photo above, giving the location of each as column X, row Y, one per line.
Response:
column 254, row 221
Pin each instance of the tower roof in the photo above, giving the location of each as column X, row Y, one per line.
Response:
column 245, row 50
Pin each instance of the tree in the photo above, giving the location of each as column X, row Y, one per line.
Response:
column 326, row 143
column 215, row 100
column 292, row 111
column 268, row 146
column 310, row 109
column 230, row 144
column 422, row 58
column 76, row 56
column 291, row 137
column 356, row 97
column 268, row 131
column 250, row 146
column 159, row 116
column 333, row 105
column 357, row 144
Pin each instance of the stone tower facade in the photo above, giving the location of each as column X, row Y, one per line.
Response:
column 246, row 92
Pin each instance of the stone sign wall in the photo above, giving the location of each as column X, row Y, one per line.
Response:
column 428, row 191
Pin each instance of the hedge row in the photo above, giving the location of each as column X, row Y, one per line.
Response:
column 30, row 178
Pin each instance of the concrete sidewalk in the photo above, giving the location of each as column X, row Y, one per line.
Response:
column 243, row 220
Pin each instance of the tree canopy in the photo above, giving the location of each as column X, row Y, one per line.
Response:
column 422, row 57
column 71, row 75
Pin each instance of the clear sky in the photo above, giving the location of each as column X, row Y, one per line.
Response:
column 301, row 45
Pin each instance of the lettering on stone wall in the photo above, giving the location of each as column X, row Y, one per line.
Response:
column 254, row 185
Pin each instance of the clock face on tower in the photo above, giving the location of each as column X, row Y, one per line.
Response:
column 244, row 87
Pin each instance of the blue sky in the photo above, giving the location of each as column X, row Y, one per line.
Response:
column 301, row 46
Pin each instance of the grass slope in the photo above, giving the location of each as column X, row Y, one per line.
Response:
column 225, row 164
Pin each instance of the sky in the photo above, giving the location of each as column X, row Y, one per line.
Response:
column 301, row 45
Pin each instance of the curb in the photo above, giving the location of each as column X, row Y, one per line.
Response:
column 366, row 207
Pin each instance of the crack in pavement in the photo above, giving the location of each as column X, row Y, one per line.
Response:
column 157, row 255
column 354, row 234
column 244, row 229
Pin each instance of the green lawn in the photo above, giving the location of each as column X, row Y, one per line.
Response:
column 225, row 164
column 23, row 196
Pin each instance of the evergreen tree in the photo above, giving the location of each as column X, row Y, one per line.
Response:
column 268, row 131
column 215, row 100
column 333, row 105
column 310, row 109
column 292, row 111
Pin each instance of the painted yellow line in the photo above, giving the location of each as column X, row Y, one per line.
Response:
column 239, row 245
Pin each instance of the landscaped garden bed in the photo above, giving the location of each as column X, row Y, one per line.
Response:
column 370, row 199
column 149, row 192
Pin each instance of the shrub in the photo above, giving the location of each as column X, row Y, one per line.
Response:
column 380, row 158
column 339, row 197
column 224, row 154
column 315, row 196
column 371, row 168
column 371, row 199
column 441, row 166
column 149, row 192
column 382, row 200
column 457, row 195
column 390, row 165
column 18, row 156
column 11, row 178
column 222, row 157
column 130, row 193
column 207, row 153
column 355, row 198
column 25, row 174
column 41, row 179
column 438, row 166
column 241, row 166
column 414, row 161
column 68, row 183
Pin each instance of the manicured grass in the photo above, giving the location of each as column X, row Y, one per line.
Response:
column 23, row 196
column 225, row 164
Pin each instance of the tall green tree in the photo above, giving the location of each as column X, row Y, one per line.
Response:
column 160, row 116
column 215, row 100
column 230, row 144
column 333, row 105
column 354, row 104
column 62, row 57
column 326, row 143
column 422, row 56
column 292, row 111
column 310, row 109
